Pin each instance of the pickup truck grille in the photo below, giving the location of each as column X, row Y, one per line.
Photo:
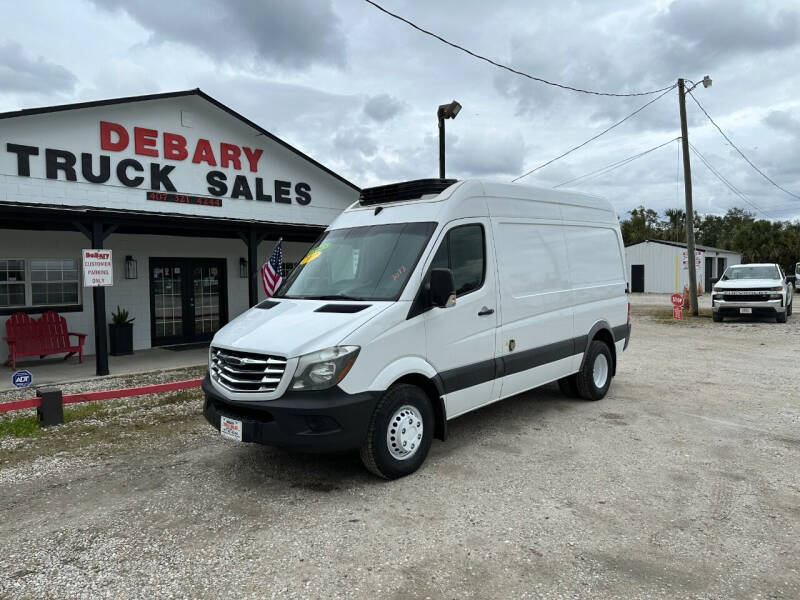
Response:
column 750, row 297
column 246, row 371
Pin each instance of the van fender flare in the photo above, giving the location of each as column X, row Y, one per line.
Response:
column 414, row 369
column 407, row 365
column 597, row 327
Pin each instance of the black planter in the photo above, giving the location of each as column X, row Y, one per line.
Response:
column 120, row 339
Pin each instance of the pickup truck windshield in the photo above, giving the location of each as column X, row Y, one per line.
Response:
column 766, row 272
column 359, row 263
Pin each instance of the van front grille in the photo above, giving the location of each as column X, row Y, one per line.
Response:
column 246, row 371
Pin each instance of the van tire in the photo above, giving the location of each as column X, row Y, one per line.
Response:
column 375, row 451
column 587, row 386
column 569, row 386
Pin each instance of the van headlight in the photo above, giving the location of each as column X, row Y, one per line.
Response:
column 324, row 369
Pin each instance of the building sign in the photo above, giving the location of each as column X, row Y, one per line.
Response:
column 98, row 268
column 114, row 165
column 698, row 259
column 184, row 199
column 22, row 378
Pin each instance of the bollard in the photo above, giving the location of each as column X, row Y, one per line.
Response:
column 51, row 410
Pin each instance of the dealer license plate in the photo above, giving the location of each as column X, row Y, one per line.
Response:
column 230, row 428
column 745, row 311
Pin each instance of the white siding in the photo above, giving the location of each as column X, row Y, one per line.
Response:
column 134, row 294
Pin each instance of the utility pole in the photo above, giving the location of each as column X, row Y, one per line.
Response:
column 687, row 184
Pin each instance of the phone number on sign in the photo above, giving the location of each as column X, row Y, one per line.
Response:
column 184, row 199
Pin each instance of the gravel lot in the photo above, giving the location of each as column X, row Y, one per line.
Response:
column 683, row 483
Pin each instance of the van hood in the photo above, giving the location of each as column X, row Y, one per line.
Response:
column 295, row 327
column 746, row 284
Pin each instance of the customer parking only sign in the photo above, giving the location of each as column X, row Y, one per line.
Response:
column 98, row 269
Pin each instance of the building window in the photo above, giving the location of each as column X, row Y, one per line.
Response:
column 12, row 283
column 39, row 282
column 288, row 267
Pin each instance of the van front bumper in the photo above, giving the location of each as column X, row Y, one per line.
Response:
column 324, row 421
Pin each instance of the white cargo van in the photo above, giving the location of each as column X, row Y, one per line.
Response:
column 423, row 301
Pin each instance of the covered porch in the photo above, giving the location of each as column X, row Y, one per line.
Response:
column 229, row 251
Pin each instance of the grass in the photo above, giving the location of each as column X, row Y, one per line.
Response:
column 26, row 426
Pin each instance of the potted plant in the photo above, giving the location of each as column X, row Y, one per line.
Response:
column 120, row 332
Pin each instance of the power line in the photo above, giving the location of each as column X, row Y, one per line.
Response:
column 510, row 69
column 591, row 139
column 725, row 181
column 735, row 147
column 617, row 164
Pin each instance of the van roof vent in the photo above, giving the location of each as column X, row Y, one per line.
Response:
column 405, row 190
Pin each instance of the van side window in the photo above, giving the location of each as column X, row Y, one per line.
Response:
column 463, row 252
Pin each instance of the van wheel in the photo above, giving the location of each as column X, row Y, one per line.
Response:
column 594, row 378
column 400, row 433
column 569, row 386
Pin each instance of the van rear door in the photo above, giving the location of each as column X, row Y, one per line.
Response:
column 535, row 336
column 460, row 340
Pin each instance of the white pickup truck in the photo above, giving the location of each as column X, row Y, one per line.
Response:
column 754, row 289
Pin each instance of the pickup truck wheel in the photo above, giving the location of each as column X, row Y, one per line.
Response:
column 717, row 316
column 594, row 378
column 399, row 434
column 781, row 317
column 789, row 309
column 569, row 386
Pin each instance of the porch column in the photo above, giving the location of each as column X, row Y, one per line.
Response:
column 253, row 267
column 99, row 297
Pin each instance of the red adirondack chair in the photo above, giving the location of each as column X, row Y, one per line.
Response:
column 40, row 337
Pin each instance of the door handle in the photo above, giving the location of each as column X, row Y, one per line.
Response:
column 485, row 311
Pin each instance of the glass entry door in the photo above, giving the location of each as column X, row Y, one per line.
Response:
column 188, row 299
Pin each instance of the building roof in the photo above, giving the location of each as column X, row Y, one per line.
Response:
column 683, row 245
column 195, row 92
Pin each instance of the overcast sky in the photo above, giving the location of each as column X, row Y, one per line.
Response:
column 358, row 90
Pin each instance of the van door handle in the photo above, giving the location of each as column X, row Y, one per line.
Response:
column 485, row 311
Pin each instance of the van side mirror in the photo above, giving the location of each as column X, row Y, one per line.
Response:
column 442, row 288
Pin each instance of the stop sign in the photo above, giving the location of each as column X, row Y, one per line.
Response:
column 676, row 299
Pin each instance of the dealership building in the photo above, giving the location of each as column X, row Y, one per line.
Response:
column 189, row 196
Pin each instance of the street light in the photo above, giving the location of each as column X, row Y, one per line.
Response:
column 446, row 111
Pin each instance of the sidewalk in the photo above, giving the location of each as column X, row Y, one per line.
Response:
column 57, row 370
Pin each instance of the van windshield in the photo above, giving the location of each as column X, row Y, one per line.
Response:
column 742, row 272
column 359, row 263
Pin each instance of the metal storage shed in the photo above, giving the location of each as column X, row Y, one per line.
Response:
column 658, row 266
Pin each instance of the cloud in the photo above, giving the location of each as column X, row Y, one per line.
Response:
column 288, row 35
column 486, row 153
column 19, row 73
column 783, row 122
column 715, row 27
column 355, row 142
column 383, row 107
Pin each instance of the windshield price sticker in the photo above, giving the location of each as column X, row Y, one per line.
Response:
column 314, row 253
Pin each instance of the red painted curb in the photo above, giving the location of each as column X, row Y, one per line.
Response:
column 107, row 394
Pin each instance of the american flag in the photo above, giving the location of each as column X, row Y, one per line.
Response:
column 272, row 271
